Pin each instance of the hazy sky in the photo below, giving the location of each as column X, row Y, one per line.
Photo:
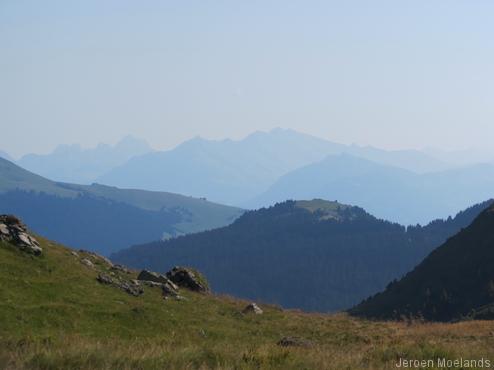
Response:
column 388, row 73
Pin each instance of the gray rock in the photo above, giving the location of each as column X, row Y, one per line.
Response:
column 169, row 289
column 87, row 262
column 154, row 279
column 253, row 308
column 28, row 243
column 105, row 279
column 4, row 230
column 147, row 275
column 97, row 257
column 24, row 238
column 103, row 259
column 14, row 231
column 152, row 284
column 187, row 278
column 74, row 253
column 120, row 268
column 131, row 287
column 34, row 249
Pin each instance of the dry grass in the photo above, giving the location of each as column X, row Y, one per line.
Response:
column 54, row 315
column 340, row 342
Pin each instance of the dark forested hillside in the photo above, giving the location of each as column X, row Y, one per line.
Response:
column 314, row 255
column 89, row 222
column 103, row 218
column 455, row 280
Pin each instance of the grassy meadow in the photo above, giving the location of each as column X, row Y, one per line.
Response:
column 55, row 315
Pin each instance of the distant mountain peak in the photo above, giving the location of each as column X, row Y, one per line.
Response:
column 73, row 163
column 5, row 155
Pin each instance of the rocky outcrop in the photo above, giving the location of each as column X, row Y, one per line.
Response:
column 188, row 278
column 154, row 279
column 120, row 268
column 253, row 308
column 97, row 258
column 87, row 263
column 14, row 231
column 104, row 279
column 130, row 286
column 146, row 275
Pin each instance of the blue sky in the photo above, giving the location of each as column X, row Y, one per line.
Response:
column 394, row 74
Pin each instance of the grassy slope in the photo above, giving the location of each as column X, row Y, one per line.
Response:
column 54, row 314
column 204, row 215
column 14, row 177
column 328, row 207
column 200, row 214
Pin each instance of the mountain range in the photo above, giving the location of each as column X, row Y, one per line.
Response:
column 269, row 167
column 102, row 218
column 456, row 281
column 314, row 255
column 387, row 192
column 71, row 163
column 235, row 172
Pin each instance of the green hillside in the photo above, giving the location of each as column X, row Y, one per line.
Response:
column 454, row 282
column 110, row 213
column 13, row 177
column 54, row 314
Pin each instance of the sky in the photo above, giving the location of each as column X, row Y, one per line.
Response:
column 393, row 74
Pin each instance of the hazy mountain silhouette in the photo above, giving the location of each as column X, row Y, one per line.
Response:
column 5, row 155
column 454, row 281
column 103, row 218
column 388, row 192
column 315, row 255
column 71, row 163
column 234, row 172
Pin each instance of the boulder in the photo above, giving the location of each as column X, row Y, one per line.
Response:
column 147, row 275
column 104, row 279
column 154, row 279
column 97, row 257
column 169, row 289
column 14, row 231
column 152, row 284
column 188, row 278
column 120, row 268
column 4, row 230
column 87, row 263
column 103, row 259
column 131, row 287
column 253, row 308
